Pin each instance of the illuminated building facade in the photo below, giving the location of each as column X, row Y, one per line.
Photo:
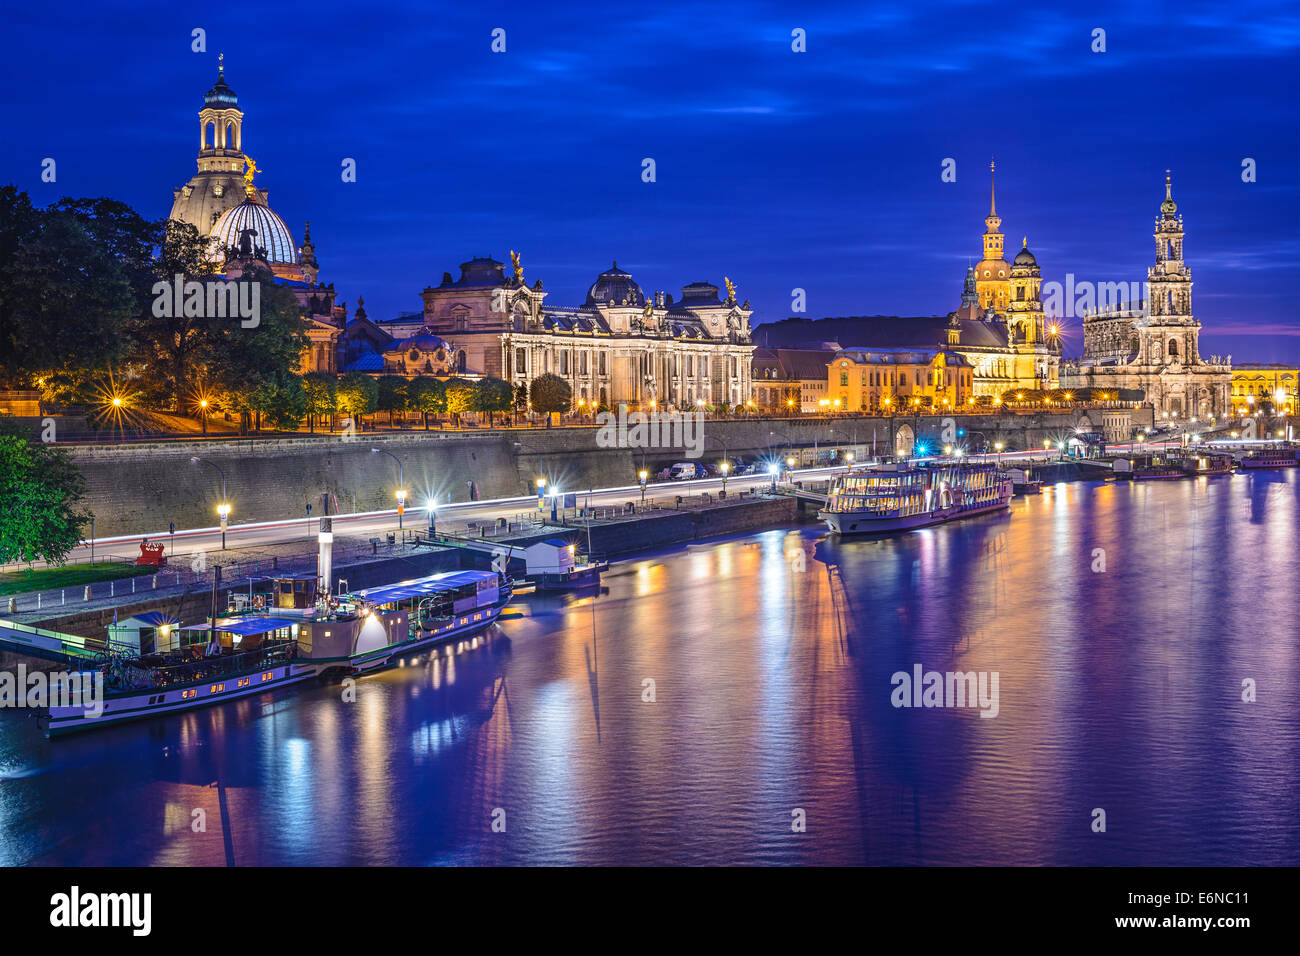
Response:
column 222, row 202
column 619, row 347
column 1259, row 387
column 1156, row 349
column 885, row 380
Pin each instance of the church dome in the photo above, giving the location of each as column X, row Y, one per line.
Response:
column 271, row 233
column 221, row 96
column 617, row 285
column 424, row 340
column 1025, row 258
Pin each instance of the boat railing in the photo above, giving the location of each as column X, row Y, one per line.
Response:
column 128, row 674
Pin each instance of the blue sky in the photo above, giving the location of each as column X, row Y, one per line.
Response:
column 783, row 170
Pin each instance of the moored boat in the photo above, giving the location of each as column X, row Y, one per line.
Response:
column 226, row 658
column 1023, row 481
column 908, row 496
column 1277, row 456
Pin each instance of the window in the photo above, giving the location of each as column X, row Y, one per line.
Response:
column 602, row 369
column 521, row 361
column 844, row 378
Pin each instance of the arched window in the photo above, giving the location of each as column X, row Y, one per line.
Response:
column 1173, row 348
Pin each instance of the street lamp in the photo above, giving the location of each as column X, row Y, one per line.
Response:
column 724, row 467
column 643, row 475
column 203, row 413
column 997, row 446
column 401, row 484
column 223, row 509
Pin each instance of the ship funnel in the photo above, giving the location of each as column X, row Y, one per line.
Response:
column 325, row 560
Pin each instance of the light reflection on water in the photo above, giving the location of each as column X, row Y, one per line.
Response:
column 771, row 657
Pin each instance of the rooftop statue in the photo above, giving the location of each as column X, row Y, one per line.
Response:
column 250, row 170
column 517, row 266
column 731, row 287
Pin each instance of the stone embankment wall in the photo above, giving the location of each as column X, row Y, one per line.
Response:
column 139, row 488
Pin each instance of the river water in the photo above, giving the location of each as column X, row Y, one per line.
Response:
column 733, row 703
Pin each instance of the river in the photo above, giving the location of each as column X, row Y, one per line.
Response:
column 733, row 702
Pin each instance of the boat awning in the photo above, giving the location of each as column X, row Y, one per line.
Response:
column 420, row 587
column 245, row 627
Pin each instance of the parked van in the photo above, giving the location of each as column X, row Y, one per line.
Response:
column 686, row 469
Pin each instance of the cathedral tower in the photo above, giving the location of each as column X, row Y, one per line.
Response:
column 993, row 274
column 219, row 184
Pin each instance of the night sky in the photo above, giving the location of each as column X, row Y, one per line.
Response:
column 817, row 170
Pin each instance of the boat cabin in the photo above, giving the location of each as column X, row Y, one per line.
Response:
column 436, row 602
column 148, row 633
column 552, row 556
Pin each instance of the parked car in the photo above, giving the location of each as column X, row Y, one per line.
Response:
column 685, row 470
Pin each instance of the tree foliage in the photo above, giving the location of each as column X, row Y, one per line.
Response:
column 65, row 297
column 494, row 395
column 358, row 394
column 41, row 490
column 550, row 393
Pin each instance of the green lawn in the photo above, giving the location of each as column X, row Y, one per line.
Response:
column 68, row 576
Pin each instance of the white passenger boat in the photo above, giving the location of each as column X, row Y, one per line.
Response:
column 222, row 659
column 1278, row 456
column 903, row 497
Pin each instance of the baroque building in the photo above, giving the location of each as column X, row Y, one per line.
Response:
column 1156, row 347
column 999, row 329
column 222, row 202
column 619, row 347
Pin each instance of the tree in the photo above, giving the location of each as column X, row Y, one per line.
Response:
column 172, row 345
column 393, row 395
column 462, row 395
column 428, row 396
column 254, row 363
column 41, row 489
column 550, row 393
column 521, row 397
column 65, row 298
column 358, row 394
column 494, row 395
column 320, row 391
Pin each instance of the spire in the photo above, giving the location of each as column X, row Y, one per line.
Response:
column 993, row 205
column 1168, row 208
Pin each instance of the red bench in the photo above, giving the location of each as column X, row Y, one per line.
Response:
column 151, row 554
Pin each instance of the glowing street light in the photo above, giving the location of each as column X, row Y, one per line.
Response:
column 998, row 446
column 401, row 484
column 223, row 509
column 724, row 468
column 644, row 476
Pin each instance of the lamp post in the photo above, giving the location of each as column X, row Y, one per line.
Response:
column 724, row 467
column 401, row 484
column 538, row 451
column 997, row 446
column 203, row 414
column 643, row 475
column 223, row 509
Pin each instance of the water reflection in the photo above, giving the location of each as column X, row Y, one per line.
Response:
column 690, row 709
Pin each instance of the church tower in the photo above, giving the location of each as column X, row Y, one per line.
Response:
column 993, row 274
column 219, row 184
column 1169, row 334
column 1025, row 309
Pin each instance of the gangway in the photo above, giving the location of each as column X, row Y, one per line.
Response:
column 51, row 645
